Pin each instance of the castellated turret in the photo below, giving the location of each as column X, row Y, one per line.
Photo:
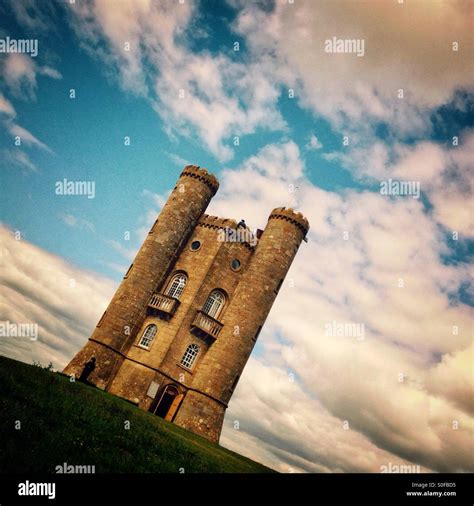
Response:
column 127, row 310
column 179, row 330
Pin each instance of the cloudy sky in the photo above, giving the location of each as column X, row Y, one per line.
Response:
column 247, row 90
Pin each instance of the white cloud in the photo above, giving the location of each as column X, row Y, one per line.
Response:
column 50, row 72
column 446, row 175
column 178, row 160
column 6, row 107
column 246, row 191
column 19, row 72
column 313, row 143
column 353, row 92
column 18, row 158
column 126, row 252
column 33, row 15
column 77, row 222
column 27, row 137
column 63, row 300
column 283, row 426
column 452, row 379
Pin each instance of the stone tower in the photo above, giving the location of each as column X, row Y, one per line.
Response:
column 183, row 322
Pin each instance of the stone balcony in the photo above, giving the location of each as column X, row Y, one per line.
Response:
column 163, row 304
column 205, row 323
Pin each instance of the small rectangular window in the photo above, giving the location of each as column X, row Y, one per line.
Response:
column 234, row 384
column 99, row 323
column 128, row 272
column 277, row 289
column 153, row 227
column 257, row 333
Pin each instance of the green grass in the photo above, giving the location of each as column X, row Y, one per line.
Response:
column 70, row 422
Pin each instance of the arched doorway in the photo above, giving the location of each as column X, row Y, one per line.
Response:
column 168, row 402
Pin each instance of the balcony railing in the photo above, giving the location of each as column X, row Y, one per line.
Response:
column 163, row 303
column 207, row 324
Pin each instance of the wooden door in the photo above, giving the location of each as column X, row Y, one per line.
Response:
column 174, row 407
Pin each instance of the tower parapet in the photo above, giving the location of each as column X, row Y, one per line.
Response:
column 229, row 230
column 216, row 222
column 296, row 218
column 202, row 175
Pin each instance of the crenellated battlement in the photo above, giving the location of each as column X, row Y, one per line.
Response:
column 216, row 223
column 282, row 213
column 203, row 175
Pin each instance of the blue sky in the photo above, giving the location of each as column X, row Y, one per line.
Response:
column 401, row 266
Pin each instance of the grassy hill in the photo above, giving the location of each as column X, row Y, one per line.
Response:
column 65, row 422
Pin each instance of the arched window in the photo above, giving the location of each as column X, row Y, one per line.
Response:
column 214, row 303
column 190, row 355
column 176, row 285
column 148, row 336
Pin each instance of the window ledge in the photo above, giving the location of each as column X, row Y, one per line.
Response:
column 141, row 347
column 184, row 367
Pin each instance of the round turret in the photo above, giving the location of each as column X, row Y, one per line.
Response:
column 251, row 303
column 291, row 216
column 203, row 175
